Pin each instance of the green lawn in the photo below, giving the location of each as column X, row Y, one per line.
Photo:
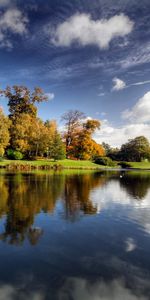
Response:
column 72, row 164
column 140, row 165
column 67, row 163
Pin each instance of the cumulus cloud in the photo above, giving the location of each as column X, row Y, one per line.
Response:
column 50, row 96
column 118, row 84
column 116, row 136
column 82, row 29
column 140, row 111
column 12, row 21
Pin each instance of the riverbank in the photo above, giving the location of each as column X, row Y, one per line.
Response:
column 49, row 164
column 45, row 164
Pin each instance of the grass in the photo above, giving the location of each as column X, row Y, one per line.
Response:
column 66, row 163
column 141, row 165
column 70, row 164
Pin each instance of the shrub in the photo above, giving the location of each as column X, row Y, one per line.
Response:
column 124, row 164
column 105, row 161
column 15, row 155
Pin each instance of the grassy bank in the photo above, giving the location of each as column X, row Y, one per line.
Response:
column 63, row 164
column 140, row 165
column 48, row 164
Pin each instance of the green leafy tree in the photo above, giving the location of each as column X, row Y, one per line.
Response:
column 57, row 150
column 136, row 149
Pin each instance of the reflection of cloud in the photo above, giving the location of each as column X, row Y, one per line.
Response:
column 8, row 292
column 130, row 245
column 81, row 289
column 106, row 196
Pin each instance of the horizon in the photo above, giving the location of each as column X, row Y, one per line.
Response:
column 93, row 57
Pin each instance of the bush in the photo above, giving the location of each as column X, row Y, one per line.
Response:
column 124, row 164
column 105, row 161
column 13, row 154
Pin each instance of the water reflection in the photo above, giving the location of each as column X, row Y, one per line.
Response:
column 77, row 194
column 23, row 196
column 77, row 253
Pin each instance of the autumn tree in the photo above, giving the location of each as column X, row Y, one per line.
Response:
column 4, row 132
column 73, row 120
column 86, row 147
column 22, row 100
column 23, row 114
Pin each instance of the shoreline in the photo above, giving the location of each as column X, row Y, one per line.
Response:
column 27, row 166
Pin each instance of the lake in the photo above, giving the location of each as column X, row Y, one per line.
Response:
column 75, row 236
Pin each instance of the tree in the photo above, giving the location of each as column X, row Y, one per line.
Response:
column 57, row 150
column 136, row 149
column 83, row 146
column 22, row 100
column 73, row 120
column 4, row 132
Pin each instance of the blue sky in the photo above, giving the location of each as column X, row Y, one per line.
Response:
column 88, row 55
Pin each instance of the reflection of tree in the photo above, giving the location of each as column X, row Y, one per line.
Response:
column 136, row 185
column 77, row 191
column 23, row 197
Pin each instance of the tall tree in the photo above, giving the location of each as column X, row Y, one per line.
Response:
column 57, row 150
column 73, row 120
column 22, row 100
column 4, row 132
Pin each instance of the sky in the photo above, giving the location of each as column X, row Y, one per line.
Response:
column 93, row 56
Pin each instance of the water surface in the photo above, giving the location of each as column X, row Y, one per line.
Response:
column 75, row 236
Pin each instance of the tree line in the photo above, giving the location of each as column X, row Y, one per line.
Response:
column 24, row 134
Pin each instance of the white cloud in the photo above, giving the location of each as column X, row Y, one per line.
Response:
column 116, row 136
column 139, row 55
column 82, row 29
column 118, row 84
column 140, row 111
column 12, row 21
column 50, row 96
column 140, row 82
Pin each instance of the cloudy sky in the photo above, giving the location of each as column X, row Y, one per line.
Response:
column 88, row 55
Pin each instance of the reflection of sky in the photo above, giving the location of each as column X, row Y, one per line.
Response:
column 112, row 195
column 98, row 257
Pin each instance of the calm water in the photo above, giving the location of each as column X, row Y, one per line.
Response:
column 75, row 237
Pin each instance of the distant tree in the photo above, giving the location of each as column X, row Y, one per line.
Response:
column 136, row 149
column 4, row 132
column 107, row 148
